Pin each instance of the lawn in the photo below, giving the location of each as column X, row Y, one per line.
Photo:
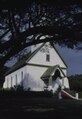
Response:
column 40, row 105
column 40, row 108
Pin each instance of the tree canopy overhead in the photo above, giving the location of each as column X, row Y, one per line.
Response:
column 23, row 23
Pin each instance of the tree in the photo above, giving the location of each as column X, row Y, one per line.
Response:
column 24, row 24
column 75, row 83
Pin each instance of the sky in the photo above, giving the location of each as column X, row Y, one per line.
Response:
column 73, row 59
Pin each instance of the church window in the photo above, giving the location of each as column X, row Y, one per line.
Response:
column 11, row 81
column 7, row 82
column 47, row 57
column 16, row 79
column 21, row 78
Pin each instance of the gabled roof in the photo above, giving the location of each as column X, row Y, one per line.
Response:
column 50, row 71
column 25, row 60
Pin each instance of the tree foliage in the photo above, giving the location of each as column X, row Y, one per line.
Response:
column 76, row 83
column 23, row 24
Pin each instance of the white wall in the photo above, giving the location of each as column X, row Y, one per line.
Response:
column 35, row 72
column 13, row 75
column 40, row 57
column 31, row 78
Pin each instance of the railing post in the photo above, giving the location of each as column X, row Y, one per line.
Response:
column 77, row 96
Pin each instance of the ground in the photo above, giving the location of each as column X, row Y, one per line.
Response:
column 40, row 108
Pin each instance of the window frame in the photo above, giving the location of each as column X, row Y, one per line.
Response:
column 48, row 57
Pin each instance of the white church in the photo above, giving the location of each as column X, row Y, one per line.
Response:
column 36, row 70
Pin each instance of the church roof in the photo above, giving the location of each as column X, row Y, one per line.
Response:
column 22, row 62
column 25, row 60
column 50, row 71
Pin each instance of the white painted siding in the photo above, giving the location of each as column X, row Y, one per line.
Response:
column 40, row 57
column 13, row 75
column 30, row 75
column 36, row 71
column 32, row 78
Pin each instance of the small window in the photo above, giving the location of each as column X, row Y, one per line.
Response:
column 7, row 82
column 11, row 81
column 47, row 57
column 16, row 79
column 21, row 75
column 21, row 78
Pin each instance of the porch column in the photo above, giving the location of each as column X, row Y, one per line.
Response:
column 16, row 79
column 62, row 83
column 50, row 83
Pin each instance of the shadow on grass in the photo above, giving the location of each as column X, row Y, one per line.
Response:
column 32, row 105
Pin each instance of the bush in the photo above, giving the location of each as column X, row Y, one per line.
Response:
column 80, row 94
column 24, row 94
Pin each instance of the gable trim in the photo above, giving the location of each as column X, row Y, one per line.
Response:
column 42, row 65
column 50, row 71
column 51, row 43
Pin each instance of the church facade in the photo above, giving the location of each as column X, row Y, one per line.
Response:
column 35, row 71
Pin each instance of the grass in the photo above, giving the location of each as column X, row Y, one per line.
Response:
column 40, row 108
column 40, row 105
